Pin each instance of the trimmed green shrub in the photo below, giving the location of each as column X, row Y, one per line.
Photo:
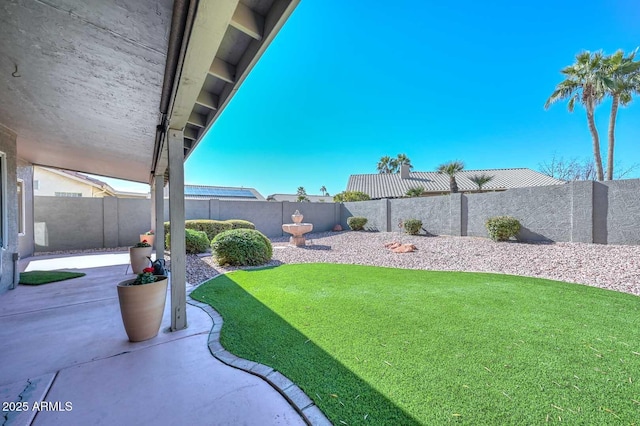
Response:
column 412, row 226
column 208, row 226
column 240, row 224
column 357, row 223
column 196, row 241
column 502, row 228
column 241, row 247
column 350, row 196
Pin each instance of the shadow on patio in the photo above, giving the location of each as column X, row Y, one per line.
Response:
column 65, row 343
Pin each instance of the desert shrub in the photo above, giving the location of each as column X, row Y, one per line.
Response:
column 412, row 226
column 240, row 224
column 241, row 247
column 196, row 241
column 350, row 196
column 208, row 226
column 357, row 223
column 502, row 228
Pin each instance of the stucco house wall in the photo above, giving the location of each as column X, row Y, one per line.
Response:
column 10, row 209
column 49, row 183
column 26, row 245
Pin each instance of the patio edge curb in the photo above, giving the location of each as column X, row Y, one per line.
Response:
column 300, row 401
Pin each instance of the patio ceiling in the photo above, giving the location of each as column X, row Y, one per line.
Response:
column 81, row 81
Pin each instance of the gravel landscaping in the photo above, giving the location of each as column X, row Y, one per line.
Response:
column 613, row 267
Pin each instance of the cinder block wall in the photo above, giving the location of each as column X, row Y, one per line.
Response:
column 62, row 223
column 583, row 211
column 600, row 212
column 86, row 223
column 544, row 212
column 617, row 212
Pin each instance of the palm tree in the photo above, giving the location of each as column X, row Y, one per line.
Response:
column 400, row 160
column 323, row 189
column 385, row 164
column 621, row 82
column 451, row 169
column 585, row 84
column 480, row 180
column 302, row 194
column 415, row 191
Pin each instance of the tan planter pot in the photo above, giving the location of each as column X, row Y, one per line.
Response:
column 149, row 238
column 142, row 307
column 138, row 258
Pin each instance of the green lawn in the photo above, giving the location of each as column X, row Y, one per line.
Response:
column 385, row 346
column 46, row 277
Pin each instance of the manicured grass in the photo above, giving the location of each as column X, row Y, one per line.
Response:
column 46, row 277
column 389, row 346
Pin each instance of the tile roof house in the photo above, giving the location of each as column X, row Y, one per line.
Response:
column 205, row 192
column 396, row 185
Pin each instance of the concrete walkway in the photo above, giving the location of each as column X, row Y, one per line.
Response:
column 64, row 344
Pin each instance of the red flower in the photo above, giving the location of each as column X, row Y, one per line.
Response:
column 144, row 241
column 147, row 270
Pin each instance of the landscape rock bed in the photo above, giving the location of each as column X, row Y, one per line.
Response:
column 613, row 267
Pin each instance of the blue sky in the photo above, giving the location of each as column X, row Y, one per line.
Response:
column 347, row 82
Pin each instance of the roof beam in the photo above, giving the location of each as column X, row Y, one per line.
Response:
column 234, row 75
column 190, row 133
column 208, row 100
column 197, row 120
column 249, row 22
column 223, row 70
column 209, row 27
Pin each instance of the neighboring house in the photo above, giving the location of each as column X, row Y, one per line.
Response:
column 294, row 197
column 396, row 185
column 205, row 192
column 64, row 183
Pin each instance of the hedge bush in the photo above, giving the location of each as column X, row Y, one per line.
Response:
column 412, row 226
column 240, row 224
column 196, row 241
column 346, row 196
column 502, row 228
column 213, row 227
column 241, row 247
column 357, row 223
column 208, row 226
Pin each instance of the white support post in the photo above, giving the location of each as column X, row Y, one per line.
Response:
column 158, row 214
column 178, row 243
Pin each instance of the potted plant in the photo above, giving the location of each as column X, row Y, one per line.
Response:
column 139, row 256
column 142, row 302
column 149, row 236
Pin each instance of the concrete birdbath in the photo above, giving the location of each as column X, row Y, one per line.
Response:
column 297, row 229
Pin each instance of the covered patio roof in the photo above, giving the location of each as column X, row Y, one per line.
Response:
column 93, row 86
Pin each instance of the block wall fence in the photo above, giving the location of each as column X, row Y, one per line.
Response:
column 87, row 223
column 583, row 211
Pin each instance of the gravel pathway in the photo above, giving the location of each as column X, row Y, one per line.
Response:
column 613, row 267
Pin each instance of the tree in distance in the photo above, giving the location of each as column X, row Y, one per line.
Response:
column 450, row 169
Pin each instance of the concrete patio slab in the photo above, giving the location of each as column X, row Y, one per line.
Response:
column 22, row 397
column 71, row 333
column 167, row 384
column 51, row 263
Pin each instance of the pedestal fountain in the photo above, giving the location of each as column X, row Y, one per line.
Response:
column 297, row 229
